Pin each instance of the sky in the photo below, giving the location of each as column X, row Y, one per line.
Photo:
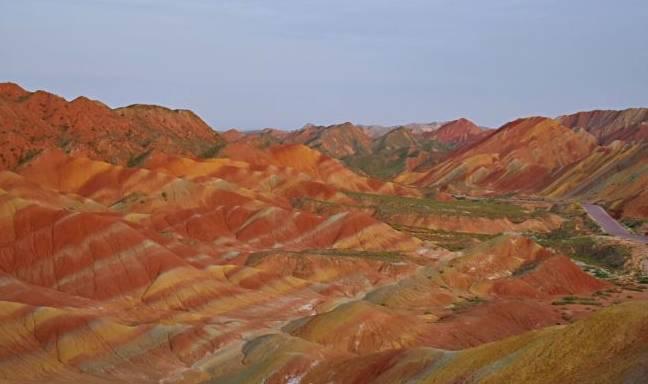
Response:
column 252, row 64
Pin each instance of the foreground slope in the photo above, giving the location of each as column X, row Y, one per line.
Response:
column 581, row 352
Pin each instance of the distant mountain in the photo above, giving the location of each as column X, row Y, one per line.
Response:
column 458, row 133
column 34, row 121
column 630, row 125
column 521, row 156
column 374, row 150
column 139, row 246
column 542, row 156
column 376, row 131
column 232, row 135
column 339, row 140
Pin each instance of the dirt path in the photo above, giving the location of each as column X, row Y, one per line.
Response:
column 610, row 225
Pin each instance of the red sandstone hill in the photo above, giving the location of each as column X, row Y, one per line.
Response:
column 630, row 125
column 521, row 156
column 33, row 121
column 458, row 133
column 176, row 269
column 381, row 153
column 340, row 140
column 232, row 135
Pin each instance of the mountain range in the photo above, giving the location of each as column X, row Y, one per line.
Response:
column 139, row 245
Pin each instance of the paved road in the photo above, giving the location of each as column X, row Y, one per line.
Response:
column 610, row 225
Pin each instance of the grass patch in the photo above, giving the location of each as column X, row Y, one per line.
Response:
column 28, row 155
column 380, row 165
column 452, row 241
column 634, row 224
column 601, row 274
column 388, row 256
column 320, row 206
column 388, row 205
column 137, row 160
column 526, row 268
column 466, row 304
column 574, row 213
column 584, row 248
column 571, row 300
column 212, row 151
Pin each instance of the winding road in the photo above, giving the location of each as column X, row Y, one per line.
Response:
column 610, row 225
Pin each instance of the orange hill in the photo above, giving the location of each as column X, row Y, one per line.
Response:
column 34, row 121
column 521, row 156
column 629, row 125
column 458, row 133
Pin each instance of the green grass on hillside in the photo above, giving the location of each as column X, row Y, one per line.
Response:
column 388, row 256
column 634, row 224
column 387, row 205
column 378, row 165
column 452, row 241
column 137, row 160
column 584, row 247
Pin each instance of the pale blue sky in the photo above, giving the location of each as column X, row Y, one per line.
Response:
column 282, row 63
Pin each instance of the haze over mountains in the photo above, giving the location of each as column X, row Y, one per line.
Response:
column 138, row 245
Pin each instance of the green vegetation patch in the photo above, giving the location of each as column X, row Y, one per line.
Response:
column 584, row 248
column 575, row 214
column 526, row 268
column 634, row 224
column 571, row 300
column 452, row 241
column 379, row 165
column 212, row 151
column 137, row 160
column 388, row 256
column 28, row 155
column 466, row 304
column 388, row 205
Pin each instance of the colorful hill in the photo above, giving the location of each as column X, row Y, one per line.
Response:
column 614, row 175
column 630, row 125
column 521, row 156
column 137, row 245
column 381, row 152
column 337, row 141
column 35, row 121
column 457, row 133
column 580, row 352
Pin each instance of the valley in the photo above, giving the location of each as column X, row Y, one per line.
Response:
column 139, row 245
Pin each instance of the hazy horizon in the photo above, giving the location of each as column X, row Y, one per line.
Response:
column 251, row 65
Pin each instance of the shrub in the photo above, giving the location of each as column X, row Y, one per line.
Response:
column 212, row 151
column 601, row 274
column 28, row 155
column 135, row 161
column 584, row 248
